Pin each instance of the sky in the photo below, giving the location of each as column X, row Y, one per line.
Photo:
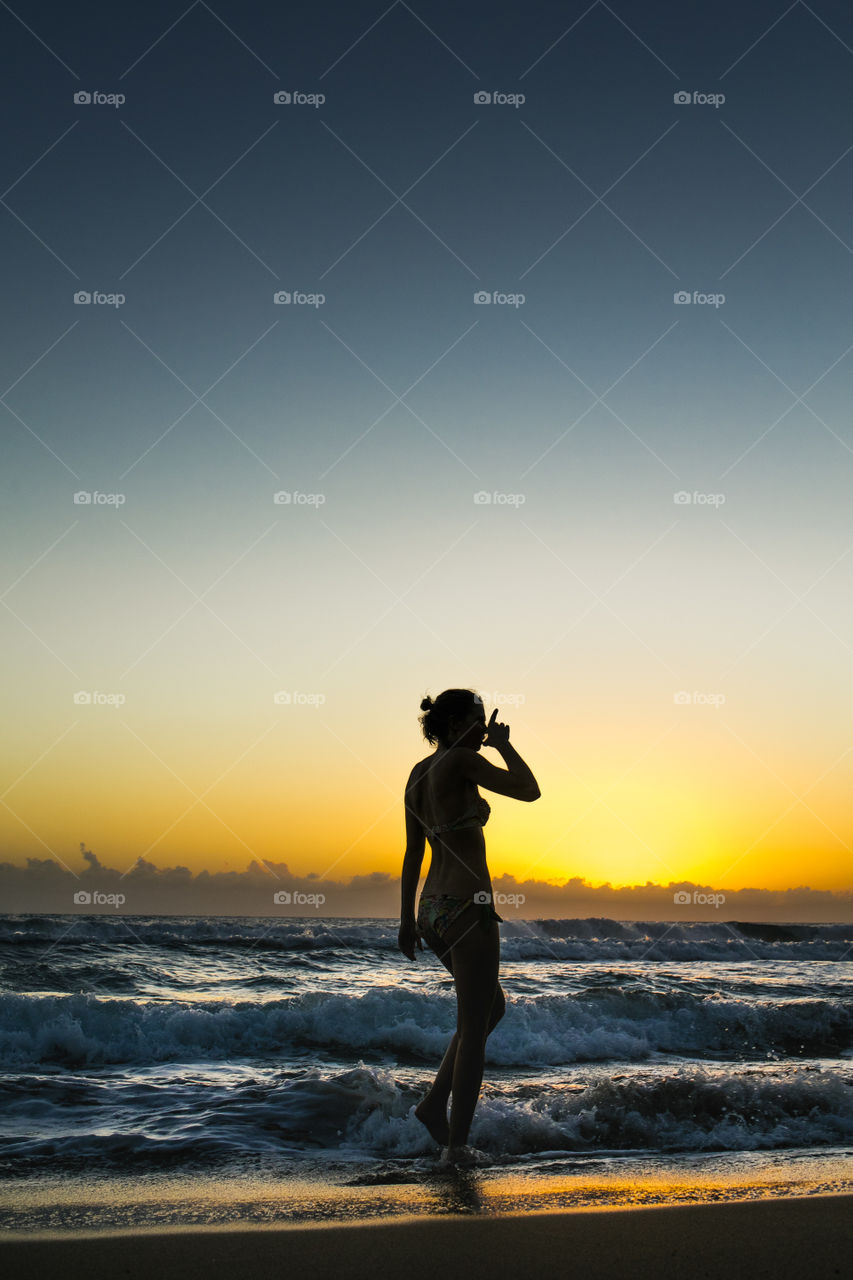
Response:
column 496, row 346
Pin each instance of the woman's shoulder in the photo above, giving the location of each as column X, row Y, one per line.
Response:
column 440, row 767
column 445, row 774
column 419, row 770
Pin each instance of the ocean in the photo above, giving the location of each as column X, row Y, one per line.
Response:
column 145, row 1059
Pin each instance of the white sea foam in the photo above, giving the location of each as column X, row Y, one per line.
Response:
column 624, row 1025
column 368, row 1111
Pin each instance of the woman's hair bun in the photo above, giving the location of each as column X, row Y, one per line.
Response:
column 439, row 714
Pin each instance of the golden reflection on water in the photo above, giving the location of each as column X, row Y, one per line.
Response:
column 397, row 1191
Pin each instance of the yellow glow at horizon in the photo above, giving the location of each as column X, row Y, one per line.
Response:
column 677, row 815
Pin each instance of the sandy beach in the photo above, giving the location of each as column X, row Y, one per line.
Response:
column 770, row 1238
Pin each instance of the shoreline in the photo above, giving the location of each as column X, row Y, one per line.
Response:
column 353, row 1192
column 718, row 1241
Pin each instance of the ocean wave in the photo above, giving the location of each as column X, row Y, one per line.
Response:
column 168, row 932
column 598, row 939
column 366, row 1112
column 592, row 939
column 602, row 1024
column 688, row 1111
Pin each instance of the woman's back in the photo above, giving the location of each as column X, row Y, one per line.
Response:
column 442, row 797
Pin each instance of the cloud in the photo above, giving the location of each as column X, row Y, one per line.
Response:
column 650, row 901
column 90, row 857
column 44, row 885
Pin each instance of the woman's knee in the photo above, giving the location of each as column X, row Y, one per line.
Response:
column 472, row 1039
column 475, row 1021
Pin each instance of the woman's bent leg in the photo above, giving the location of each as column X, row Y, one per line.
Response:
column 432, row 1109
column 435, row 1101
column 467, row 1082
column 475, row 957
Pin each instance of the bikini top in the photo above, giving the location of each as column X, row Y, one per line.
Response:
column 476, row 816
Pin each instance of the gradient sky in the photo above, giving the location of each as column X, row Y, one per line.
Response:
column 677, row 674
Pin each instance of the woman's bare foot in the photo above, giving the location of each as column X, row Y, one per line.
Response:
column 462, row 1157
column 435, row 1119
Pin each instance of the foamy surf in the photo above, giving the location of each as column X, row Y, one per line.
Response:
column 150, row 1044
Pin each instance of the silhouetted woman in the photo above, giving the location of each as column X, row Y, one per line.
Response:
column 455, row 914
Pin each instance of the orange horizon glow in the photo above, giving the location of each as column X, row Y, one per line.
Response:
column 681, row 813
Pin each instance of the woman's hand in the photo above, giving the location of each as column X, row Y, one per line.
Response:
column 408, row 937
column 497, row 734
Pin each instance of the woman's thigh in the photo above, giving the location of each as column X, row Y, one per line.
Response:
column 475, row 960
column 444, row 953
column 439, row 948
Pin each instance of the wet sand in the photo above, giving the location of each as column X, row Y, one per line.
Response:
column 746, row 1240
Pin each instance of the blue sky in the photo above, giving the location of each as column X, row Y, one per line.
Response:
column 667, row 481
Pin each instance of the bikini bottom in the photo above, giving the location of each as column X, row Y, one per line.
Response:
column 437, row 912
